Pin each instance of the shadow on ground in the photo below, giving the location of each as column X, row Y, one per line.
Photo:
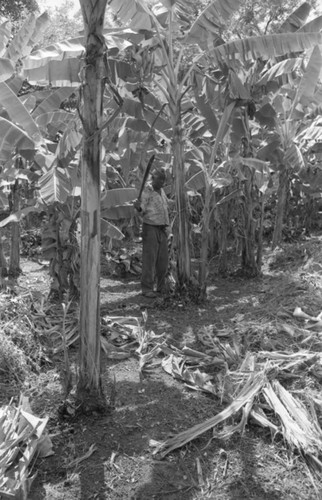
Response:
column 123, row 465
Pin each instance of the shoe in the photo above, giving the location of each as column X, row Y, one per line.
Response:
column 149, row 295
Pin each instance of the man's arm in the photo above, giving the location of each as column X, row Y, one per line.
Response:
column 140, row 205
column 137, row 205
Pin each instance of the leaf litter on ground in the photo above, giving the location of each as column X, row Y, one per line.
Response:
column 22, row 438
column 249, row 360
column 249, row 383
column 243, row 380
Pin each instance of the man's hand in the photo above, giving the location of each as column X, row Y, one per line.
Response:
column 137, row 205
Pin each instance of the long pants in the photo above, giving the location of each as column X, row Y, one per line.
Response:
column 154, row 257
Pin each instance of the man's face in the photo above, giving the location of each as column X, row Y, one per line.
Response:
column 157, row 180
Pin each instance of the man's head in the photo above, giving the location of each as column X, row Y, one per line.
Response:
column 158, row 179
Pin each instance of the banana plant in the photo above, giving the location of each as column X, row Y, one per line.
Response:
column 17, row 141
column 20, row 135
column 21, row 140
column 229, row 58
column 235, row 59
column 42, row 123
column 21, row 44
column 171, row 82
column 210, row 183
column 291, row 110
column 171, row 85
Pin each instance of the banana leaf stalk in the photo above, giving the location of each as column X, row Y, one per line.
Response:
column 252, row 387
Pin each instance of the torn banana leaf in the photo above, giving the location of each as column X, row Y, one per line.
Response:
column 22, row 437
column 252, row 387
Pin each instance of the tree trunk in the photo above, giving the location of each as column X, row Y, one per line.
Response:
column 182, row 227
column 281, row 205
column 204, row 250
column 310, row 210
column 213, row 238
column 182, row 233
column 259, row 256
column 89, row 388
column 14, row 264
column 248, row 258
column 223, row 239
column 3, row 261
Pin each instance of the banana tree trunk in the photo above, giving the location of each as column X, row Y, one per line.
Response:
column 14, row 264
column 204, row 250
column 223, row 239
column 213, row 238
column 310, row 209
column 259, row 256
column 3, row 262
column 182, row 236
column 282, row 193
column 248, row 259
column 182, row 226
column 89, row 388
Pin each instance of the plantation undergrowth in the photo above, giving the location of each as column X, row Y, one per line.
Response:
column 195, row 391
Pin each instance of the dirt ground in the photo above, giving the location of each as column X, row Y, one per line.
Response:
column 117, row 447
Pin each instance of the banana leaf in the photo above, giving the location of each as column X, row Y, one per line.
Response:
column 53, row 101
column 132, row 12
column 296, row 20
column 72, row 48
column 281, row 68
column 18, row 113
column 63, row 73
column 13, row 138
column 108, row 229
column 204, row 106
column 311, row 76
column 264, row 47
column 17, row 216
column 54, row 121
column 5, row 35
column 27, row 36
column 117, row 197
column 118, row 212
column 55, row 185
column 206, row 29
column 7, row 69
column 312, row 26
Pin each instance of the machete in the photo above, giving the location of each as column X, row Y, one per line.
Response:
column 146, row 173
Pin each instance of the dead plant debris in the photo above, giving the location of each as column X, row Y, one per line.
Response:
column 22, row 438
column 263, row 366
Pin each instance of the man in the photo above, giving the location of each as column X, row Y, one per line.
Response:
column 154, row 210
